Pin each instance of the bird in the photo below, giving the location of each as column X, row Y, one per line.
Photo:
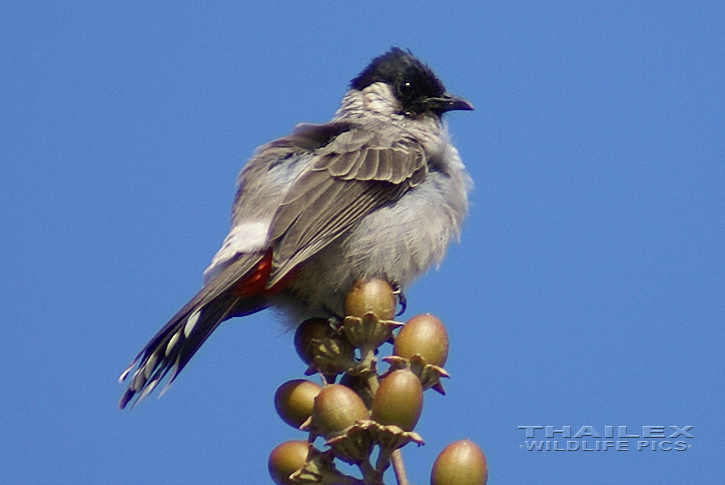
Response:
column 379, row 191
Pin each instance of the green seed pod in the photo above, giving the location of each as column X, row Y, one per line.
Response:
column 425, row 335
column 285, row 459
column 398, row 400
column 460, row 463
column 314, row 328
column 294, row 401
column 374, row 296
column 337, row 408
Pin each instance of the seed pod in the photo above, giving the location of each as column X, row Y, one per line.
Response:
column 398, row 400
column 460, row 463
column 337, row 408
column 285, row 459
column 314, row 328
column 425, row 335
column 374, row 296
column 294, row 401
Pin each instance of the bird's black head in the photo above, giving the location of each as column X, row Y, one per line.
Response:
column 414, row 84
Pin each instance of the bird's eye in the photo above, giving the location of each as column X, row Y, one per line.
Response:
column 406, row 88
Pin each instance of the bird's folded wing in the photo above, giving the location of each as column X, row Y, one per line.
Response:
column 349, row 178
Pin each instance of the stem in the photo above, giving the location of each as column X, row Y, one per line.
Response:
column 368, row 360
column 396, row 457
column 370, row 475
column 399, row 468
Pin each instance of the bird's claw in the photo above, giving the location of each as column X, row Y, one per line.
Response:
column 402, row 301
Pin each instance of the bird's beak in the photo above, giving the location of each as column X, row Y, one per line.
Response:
column 449, row 102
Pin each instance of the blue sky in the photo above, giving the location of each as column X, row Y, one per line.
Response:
column 587, row 290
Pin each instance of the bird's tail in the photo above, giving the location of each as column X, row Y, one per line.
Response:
column 172, row 347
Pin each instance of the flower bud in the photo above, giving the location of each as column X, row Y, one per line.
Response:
column 285, row 459
column 398, row 400
column 337, row 408
column 460, row 463
column 425, row 335
column 374, row 296
column 294, row 401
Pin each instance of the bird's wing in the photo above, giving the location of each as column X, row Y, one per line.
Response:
column 349, row 177
column 350, row 172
